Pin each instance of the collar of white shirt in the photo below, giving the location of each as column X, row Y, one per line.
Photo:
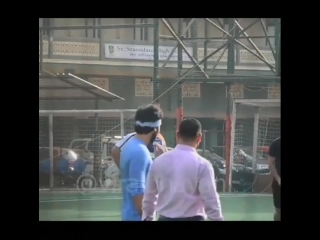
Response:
column 185, row 148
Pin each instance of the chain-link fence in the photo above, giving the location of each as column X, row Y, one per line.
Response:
column 88, row 134
column 213, row 149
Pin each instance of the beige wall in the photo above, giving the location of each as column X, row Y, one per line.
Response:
column 126, row 34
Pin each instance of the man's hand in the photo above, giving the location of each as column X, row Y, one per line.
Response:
column 159, row 149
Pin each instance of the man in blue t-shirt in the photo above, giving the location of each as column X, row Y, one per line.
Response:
column 135, row 161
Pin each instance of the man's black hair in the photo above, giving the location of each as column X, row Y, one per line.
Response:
column 189, row 129
column 148, row 113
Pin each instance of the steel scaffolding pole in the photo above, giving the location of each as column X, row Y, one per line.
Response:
column 155, row 77
column 205, row 46
column 97, row 171
column 255, row 140
column 194, row 33
column 230, row 70
column 41, row 51
column 231, row 53
column 51, row 150
column 277, row 30
column 179, row 87
column 100, row 32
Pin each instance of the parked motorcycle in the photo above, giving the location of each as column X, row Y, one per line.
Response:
column 242, row 174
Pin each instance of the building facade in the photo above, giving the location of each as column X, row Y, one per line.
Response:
column 120, row 60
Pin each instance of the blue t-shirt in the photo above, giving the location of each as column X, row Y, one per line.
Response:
column 135, row 162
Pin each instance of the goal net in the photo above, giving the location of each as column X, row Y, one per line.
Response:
column 255, row 124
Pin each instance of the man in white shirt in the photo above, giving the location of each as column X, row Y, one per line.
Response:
column 185, row 191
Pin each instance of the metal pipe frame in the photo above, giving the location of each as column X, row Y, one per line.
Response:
column 182, row 37
column 201, row 39
column 219, row 59
column 255, row 140
column 155, row 78
column 251, row 42
column 99, row 27
column 202, row 61
column 174, row 49
column 278, row 46
column 183, row 46
column 244, row 80
column 205, row 45
column 46, row 112
column 41, row 51
column 178, row 85
column 64, row 78
column 230, row 76
column 108, row 26
column 51, row 150
column 233, row 125
column 272, row 68
column 184, row 76
column 264, row 28
column 244, row 101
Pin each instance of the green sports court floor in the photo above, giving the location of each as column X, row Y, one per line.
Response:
column 103, row 206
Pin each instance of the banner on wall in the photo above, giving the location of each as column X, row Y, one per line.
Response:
column 142, row 52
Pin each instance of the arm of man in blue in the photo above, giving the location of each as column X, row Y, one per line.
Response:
column 138, row 169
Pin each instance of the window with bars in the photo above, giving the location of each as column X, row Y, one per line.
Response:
column 270, row 31
column 141, row 33
column 93, row 33
column 46, row 23
column 186, row 23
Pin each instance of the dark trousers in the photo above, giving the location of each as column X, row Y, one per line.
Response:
column 276, row 189
column 195, row 218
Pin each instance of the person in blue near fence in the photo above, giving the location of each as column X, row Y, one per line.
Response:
column 135, row 161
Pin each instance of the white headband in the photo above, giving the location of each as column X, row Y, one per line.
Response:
column 155, row 124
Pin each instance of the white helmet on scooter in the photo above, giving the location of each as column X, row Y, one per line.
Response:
column 71, row 156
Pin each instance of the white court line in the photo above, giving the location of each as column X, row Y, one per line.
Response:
column 119, row 198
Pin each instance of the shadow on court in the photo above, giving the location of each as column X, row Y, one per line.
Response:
column 73, row 206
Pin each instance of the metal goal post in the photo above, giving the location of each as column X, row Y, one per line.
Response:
column 255, row 123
